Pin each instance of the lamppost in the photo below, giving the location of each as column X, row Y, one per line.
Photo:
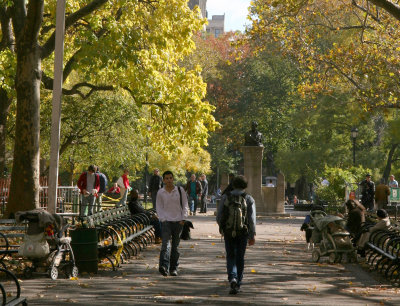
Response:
column 354, row 134
column 146, row 168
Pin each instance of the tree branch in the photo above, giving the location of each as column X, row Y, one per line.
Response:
column 7, row 39
column 376, row 18
column 34, row 20
column 350, row 79
column 18, row 12
column 93, row 88
column 75, row 90
column 48, row 47
column 341, row 28
column 390, row 7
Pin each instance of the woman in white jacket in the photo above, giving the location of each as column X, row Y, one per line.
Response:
column 382, row 224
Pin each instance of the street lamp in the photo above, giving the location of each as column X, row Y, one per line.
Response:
column 146, row 168
column 354, row 134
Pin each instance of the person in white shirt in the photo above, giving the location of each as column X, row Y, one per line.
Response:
column 172, row 209
column 392, row 182
column 270, row 184
column 325, row 182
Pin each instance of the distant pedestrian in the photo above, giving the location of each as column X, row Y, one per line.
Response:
column 392, row 182
column 103, row 189
column 368, row 192
column 123, row 184
column 236, row 218
column 270, row 184
column 382, row 193
column 204, row 193
column 114, row 189
column 172, row 210
column 89, row 185
column 193, row 189
column 325, row 182
column 155, row 184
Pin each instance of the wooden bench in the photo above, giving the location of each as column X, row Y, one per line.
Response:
column 7, row 297
column 9, row 228
column 383, row 252
column 120, row 233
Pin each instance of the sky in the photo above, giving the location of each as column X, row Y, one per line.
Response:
column 235, row 12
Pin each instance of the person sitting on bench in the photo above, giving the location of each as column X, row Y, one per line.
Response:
column 135, row 208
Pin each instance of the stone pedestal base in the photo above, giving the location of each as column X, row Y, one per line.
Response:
column 252, row 171
column 269, row 200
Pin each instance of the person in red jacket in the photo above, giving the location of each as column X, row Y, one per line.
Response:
column 114, row 189
column 89, row 185
column 123, row 183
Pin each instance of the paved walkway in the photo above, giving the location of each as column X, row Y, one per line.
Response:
column 278, row 271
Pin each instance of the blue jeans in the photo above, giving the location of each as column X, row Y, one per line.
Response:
column 169, row 255
column 122, row 201
column 87, row 204
column 99, row 202
column 193, row 203
column 235, row 249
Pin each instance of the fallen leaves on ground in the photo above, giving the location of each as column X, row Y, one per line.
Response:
column 313, row 289
column 71, row 301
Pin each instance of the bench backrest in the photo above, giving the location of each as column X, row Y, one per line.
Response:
column 7, row 225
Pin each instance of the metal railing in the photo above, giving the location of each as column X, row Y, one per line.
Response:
column 68, row 198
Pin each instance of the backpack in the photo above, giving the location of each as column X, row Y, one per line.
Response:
column 103, row 182
column 234, row 216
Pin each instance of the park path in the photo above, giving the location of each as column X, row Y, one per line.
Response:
column 278, row 271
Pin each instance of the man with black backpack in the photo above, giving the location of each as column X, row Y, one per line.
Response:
column 236, row 218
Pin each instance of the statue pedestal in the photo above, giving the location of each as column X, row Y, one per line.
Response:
column 273, row 199
column 252, row 171
column 269, row 200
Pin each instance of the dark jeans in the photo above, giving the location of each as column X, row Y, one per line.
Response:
column 157, row 227
column 169, row 255
column 235, row 249
column 154, row 198
column 368, row 203
column 203, row 207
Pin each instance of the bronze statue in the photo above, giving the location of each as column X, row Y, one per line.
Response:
column 253, row 137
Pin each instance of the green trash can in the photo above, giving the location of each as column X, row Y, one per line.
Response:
column 84, row 245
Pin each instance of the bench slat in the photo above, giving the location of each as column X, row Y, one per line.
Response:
column 12, row 228
column 14, row 235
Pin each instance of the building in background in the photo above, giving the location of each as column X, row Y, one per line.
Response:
column 201, row 4
column 216, row 25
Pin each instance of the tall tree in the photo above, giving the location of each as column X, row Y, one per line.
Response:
column 134, row 45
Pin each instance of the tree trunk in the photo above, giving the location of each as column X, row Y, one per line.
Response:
column 24, row 188
column 302, row 189
column 5, row 102
column 389, row 160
